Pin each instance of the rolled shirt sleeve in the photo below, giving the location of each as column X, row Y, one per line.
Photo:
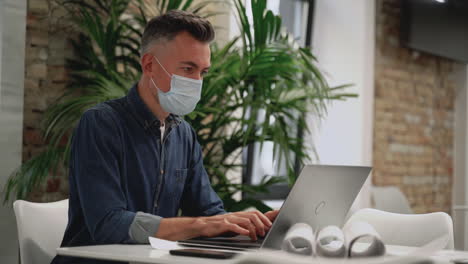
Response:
column 143, row 226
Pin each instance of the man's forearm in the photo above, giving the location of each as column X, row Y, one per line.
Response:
column 178, row 228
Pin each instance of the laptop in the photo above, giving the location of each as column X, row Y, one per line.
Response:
column 322, row 195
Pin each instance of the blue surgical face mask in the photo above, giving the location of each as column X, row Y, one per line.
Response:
column 183, row 96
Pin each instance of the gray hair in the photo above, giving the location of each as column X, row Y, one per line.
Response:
column 167, row 26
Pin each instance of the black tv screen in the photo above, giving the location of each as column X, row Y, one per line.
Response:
column 437, row 27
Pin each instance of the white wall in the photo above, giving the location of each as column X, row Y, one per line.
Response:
column 12, row 49
column 460, row 182
column 344, row 43
column 1, row 30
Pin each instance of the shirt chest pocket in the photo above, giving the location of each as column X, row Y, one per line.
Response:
column 175, row 186
column 181, row 176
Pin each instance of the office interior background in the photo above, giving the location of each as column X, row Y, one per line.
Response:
column 408, row 121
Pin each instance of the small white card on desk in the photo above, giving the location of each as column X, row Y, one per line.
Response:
column 157, row 243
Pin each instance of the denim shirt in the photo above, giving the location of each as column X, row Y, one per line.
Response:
column 124, row 178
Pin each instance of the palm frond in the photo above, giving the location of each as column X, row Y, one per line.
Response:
column 32, row 173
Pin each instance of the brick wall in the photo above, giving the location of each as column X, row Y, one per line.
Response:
column 414, row 117
column 47, row 47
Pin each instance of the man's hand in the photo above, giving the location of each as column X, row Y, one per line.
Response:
column 245, row 223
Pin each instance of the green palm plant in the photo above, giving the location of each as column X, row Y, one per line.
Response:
column 269, row 76
column 260, row 71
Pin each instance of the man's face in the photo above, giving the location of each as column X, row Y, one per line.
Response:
column 184, row 56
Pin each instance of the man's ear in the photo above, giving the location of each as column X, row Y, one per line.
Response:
column 147, row 64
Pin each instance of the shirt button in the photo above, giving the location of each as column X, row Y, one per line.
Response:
column 162, row 171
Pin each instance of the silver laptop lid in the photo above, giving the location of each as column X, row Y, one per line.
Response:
column 322, row 195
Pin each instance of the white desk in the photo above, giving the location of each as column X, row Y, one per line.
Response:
column 134, row 254
column 146, row 254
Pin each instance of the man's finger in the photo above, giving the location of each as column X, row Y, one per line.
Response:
column 259, row 226
column 266, row 221
column 252, row 229
column 272, row 214
column 237, row 229
column 244, row 222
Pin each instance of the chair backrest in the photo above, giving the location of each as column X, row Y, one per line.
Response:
column 407, row 229
column 40, row 229
column 389, row 199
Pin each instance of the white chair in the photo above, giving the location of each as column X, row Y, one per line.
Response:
column 40, row 229
column 389, row 199
column 407, row 229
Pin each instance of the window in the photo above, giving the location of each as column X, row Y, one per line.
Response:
column 297, row 16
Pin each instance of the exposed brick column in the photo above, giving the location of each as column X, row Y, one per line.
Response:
column 47, row 47
column 414, row 123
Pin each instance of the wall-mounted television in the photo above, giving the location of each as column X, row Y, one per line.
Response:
column 438, row 27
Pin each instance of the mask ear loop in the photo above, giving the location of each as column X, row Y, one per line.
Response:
column 151, row 78
column 153, row 90
column 157, row 88
column 168, row 74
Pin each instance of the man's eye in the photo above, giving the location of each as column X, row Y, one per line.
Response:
column 187, row 69
column 204, row 73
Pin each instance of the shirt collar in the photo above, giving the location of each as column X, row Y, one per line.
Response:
column 144, row 115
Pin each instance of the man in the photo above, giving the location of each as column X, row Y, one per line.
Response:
column 134, row 161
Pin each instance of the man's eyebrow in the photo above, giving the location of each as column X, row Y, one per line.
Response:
column 193, row 64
